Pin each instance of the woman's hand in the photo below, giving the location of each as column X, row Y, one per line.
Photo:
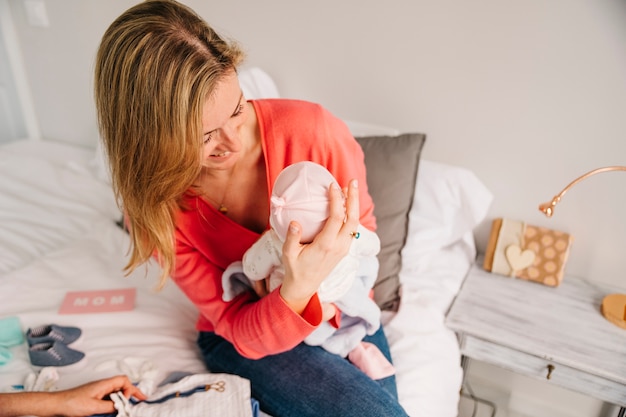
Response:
column 261, row 287
column 328, row 311
column 306, row 266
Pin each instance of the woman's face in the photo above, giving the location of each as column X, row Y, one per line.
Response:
column 223, row 116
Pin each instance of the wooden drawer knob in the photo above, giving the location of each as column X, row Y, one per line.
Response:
column 550, row 369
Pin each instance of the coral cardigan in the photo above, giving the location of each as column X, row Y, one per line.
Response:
column 207, row 241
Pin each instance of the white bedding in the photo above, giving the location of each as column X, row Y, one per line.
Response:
column 68, row 217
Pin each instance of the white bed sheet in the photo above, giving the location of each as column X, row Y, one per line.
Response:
column 58, row 233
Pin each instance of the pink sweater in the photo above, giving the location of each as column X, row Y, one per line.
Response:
column 207, row 241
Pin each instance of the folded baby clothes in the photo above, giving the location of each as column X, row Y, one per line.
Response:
column 5, row 355
column 11, row 333
column 198, row 394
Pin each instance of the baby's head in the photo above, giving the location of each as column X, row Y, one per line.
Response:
column 301, row 194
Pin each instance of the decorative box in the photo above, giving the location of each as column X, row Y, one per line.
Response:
column 527, row 252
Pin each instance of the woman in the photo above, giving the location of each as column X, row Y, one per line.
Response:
column 192, row 164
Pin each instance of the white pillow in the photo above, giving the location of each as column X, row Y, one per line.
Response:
column 449, row 202
column 256, row 83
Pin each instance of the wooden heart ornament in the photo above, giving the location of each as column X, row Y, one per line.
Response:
column 519, row 259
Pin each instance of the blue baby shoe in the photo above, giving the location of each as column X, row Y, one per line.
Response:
column 53, row 354
column 51, row 333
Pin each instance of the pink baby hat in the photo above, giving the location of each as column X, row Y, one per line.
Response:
column 301, row 194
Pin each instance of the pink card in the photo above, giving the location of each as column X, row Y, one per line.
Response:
column 98, row 301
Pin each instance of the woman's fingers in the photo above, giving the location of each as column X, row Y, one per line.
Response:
column 260, row 288
column 306, row 266
column 298, row 285
column 337, row 214
column 343, row 218
column 328, row 311
column 292, row 245
column 352, row 208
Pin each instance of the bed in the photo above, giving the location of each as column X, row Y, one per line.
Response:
column 59, row 235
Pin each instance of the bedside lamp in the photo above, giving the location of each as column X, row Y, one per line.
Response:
column 613, row 305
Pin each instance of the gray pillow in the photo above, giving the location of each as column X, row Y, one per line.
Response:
column 391, row 163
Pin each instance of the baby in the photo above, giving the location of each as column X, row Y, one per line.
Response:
column 300, row 194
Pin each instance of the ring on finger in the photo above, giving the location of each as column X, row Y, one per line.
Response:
column 355, row 235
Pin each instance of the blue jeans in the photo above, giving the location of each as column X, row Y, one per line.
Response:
column 307, row 380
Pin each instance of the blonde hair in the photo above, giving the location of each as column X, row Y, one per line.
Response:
column 155, row 68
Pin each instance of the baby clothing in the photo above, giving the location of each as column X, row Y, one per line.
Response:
column 347, row 286
column 197, row 394
column 11, row 334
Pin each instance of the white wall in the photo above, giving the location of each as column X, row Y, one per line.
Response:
column 17, row 119
column 528, row 94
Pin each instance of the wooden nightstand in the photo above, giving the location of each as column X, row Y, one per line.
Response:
column 551, row 333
